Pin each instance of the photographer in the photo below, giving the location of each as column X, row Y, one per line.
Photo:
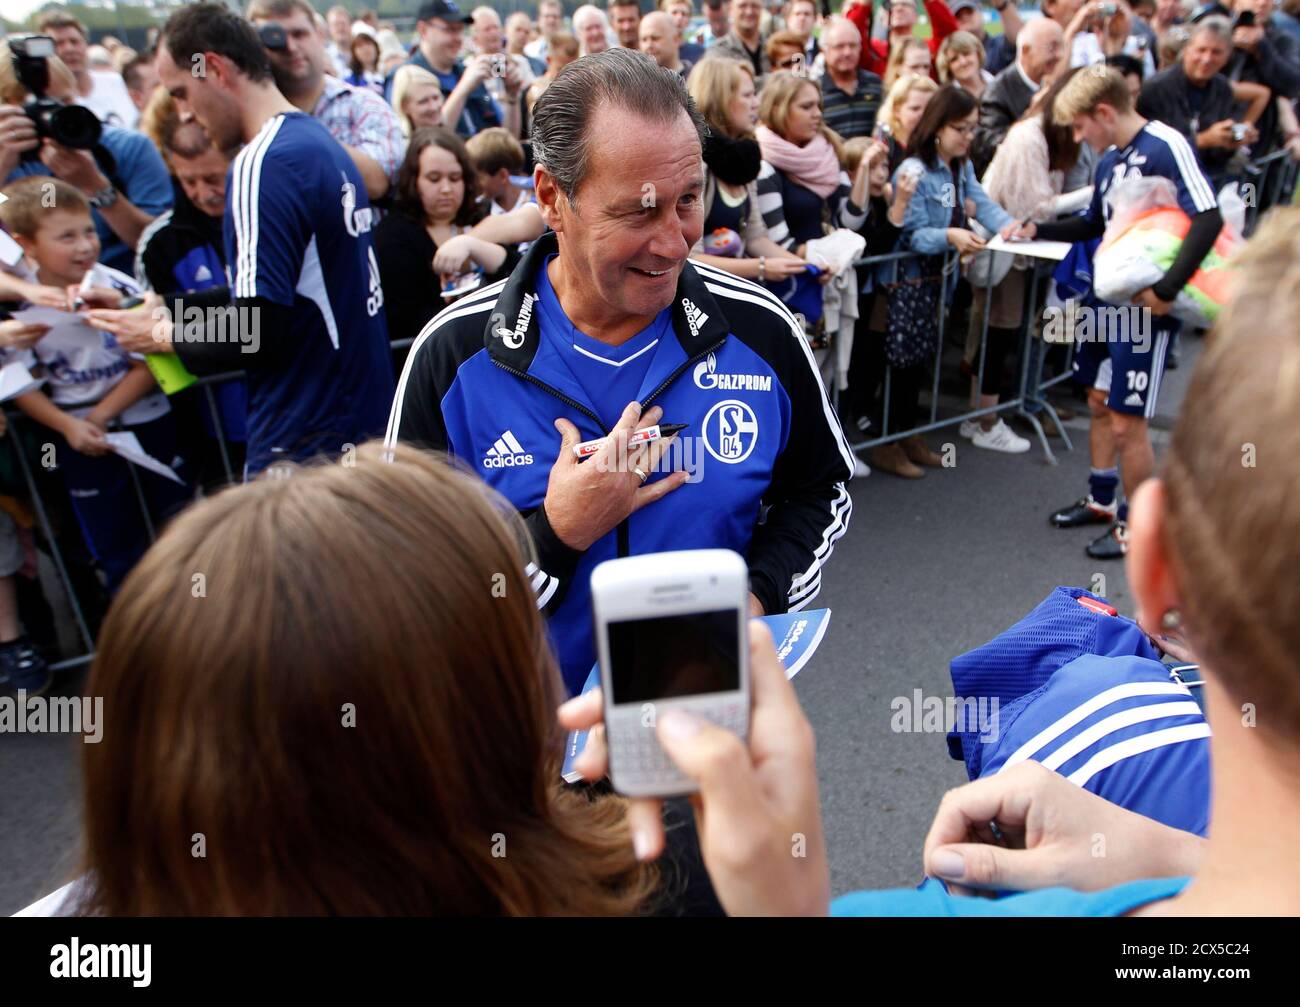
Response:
column 357, row 118
column 1264, row 54
column 103, row 92
column 1101, row 28
column 1196, row 99
column 441, row 27
column 125, row 179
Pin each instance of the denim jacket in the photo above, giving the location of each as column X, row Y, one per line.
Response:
column 929, row 214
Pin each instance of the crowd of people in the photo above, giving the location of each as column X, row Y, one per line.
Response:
column 499, row 238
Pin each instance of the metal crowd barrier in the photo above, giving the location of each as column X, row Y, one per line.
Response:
column 1027, row 401
column 1274, row 178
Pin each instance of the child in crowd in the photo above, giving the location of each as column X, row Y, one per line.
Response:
column 91, row 381
column 498, row 160
column 867, row 365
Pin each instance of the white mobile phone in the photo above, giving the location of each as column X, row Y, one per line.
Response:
column 671, row 634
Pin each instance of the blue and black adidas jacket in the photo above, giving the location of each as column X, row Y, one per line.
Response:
column 769, row 462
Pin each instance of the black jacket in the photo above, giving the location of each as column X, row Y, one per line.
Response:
column 412, row 292
column 182, row 250
column 482, row 384
column 1005, row 100
column 1164, row 98
column 1275, row 63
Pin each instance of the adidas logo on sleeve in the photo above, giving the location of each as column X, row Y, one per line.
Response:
column 507, row 452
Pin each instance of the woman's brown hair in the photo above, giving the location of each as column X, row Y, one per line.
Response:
column 407, row 198
column 330, row 692
column 354, row 59
column 713, row 84
column 1062, row 147
column 775, row 99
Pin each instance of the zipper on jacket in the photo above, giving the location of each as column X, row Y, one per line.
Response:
column 622, row 537
column 572, row 403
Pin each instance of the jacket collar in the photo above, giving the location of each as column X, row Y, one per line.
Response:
column 513, row 332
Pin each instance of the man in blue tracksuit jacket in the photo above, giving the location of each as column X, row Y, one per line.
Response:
column 509, row 378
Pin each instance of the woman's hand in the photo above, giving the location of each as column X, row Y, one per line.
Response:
column 1050, row 832
column 905, row 187
column 966, row 242
column 453, row 255
column 146, row 328
column 757, row 808
column 824, row 275
column 783, row 268
column 1017, row 231
column 16, row 335
column 85, row 437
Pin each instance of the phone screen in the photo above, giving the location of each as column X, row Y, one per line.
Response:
column 673, row 656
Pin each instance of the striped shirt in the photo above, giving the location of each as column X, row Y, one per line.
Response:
column 853, row 114
column 789, row 231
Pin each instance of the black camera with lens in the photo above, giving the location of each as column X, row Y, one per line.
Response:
column 69, row 125
column 273, row 37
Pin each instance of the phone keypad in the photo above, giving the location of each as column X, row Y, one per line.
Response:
column 637, row 757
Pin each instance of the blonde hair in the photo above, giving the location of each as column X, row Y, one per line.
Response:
column 1232, row 535
column 897, row 98
column 405, row 80
column 854, row 150
column 1097, row 85
column 12, row 91
column 894, row 69
column 779, row 92
column 959, row 43
column 713, row 84
column 27, row 203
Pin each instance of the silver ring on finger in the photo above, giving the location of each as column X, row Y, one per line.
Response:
column 640, row 474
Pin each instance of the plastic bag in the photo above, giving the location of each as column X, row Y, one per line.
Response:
column 1146, row 230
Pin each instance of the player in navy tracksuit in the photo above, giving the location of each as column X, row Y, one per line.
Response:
column 487, row 378
column 308, row 323
column 1123, row 375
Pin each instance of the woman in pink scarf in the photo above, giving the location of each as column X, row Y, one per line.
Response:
column 803, row 191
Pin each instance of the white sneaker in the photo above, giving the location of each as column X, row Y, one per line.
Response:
column 860, row 468
column 968, row 429
column 1001, row 438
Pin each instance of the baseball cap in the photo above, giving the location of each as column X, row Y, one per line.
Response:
column 445, row 10
column 961, row 5
column 1209, row 10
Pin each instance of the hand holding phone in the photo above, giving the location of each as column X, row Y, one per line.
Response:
column 670, row 634
column 757, row 810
